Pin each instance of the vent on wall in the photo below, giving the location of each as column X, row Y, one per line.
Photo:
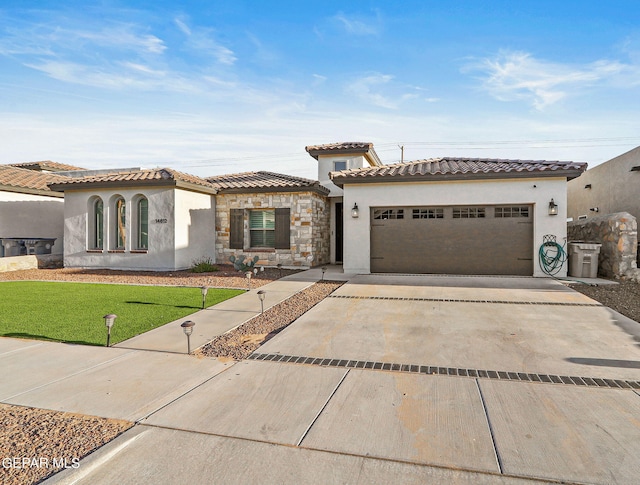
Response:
column 588, row 186
column 635, row 169
column 582, row 217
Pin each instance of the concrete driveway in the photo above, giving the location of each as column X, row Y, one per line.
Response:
column 408, row 379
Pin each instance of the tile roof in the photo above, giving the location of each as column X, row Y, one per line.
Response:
column 157, row 176
column 18, row 179
column 459, row 168
column 263, row 181
column 342, row 146
column 47, row 166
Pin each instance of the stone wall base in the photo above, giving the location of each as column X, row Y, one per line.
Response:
column 618, row 234
column 34, row 261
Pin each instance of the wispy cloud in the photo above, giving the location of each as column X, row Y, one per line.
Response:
column 360, row 25
column 381, row 90
column 202, row 40
column 513, row 76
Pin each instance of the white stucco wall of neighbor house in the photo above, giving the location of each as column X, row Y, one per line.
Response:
column 538, row 192
column 31, row 216
column 163, row 218
column 195, row 227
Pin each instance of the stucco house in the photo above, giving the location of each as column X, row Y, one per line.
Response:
column 30, row 212
column 453, row 215
column 444, row 215
column 610, row 187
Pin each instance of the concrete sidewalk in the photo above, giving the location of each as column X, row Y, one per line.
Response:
column 218, row 319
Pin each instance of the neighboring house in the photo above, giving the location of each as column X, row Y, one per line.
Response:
column 279, row 218
column 29, row 209
column 156, row 219
column 613, row 186
column 453, row 215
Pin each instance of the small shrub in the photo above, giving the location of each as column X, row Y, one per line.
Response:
column 203, row 265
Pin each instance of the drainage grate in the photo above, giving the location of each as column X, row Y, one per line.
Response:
column 452, row 371
column 455, row 300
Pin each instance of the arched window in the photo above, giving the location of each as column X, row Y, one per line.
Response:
column 120, row 229
column 142, row 226
column 96, row 224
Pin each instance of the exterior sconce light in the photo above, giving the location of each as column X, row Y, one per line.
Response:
column 109, row 320
column 261, row 295
column 204, row 291
column 355, row 212
column 553, row 208
column 324, row 270
column 187, row 327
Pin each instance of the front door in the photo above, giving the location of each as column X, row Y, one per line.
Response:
column 338, row 232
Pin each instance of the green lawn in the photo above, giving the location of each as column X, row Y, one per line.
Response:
column 72, row 312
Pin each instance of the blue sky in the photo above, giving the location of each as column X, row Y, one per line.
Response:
column 211, row 87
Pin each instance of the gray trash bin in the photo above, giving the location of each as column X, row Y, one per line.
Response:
column 583, row 259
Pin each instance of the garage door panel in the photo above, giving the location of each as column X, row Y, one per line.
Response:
column 486, row 245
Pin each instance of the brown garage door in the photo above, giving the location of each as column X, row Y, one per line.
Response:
column 453, row 240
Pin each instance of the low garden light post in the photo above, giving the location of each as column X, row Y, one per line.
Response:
column 248, row 275
column 204, row 291
column 187, row 327
column 279, row 266
column 324, row 270
column 109, row 321
column 261, row 295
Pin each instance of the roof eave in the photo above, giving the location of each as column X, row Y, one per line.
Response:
column 30, row 191
column 340, row 181
column 64, row 187
column 318, row 189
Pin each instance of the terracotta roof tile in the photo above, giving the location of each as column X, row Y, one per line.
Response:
column 341, row 146
column 22, row 178
column 438, row 168
column 47, row 166
column 248, row 181
column 132, row 177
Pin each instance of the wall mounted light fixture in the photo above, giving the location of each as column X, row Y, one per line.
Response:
column 355, row 212
column 553, row 208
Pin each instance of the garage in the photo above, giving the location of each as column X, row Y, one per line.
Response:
column 470, row 239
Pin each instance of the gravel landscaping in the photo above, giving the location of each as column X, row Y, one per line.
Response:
column 242, row 341
column 226, row 277
column 36, row 443
column 623, row 297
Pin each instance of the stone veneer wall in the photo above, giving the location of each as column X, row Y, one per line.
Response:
column 32, row 261
column 309, row 227
column 618, row 234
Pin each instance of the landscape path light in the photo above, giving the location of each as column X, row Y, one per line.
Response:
column 204, row 291
column 279, row 266
column 248, row 275
column 187, row 327
column 261, row 295
column 109, row 321
column 324, row 270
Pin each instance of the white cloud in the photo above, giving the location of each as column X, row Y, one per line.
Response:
column 360, row 25
column 381, row 90
column 202, row 40
column 520, row 76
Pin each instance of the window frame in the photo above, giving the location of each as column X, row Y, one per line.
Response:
column 268, row 218
column 96, row 226
column 142, row 224
column 120, row 224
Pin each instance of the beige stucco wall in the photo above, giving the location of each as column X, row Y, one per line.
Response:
column 515, row 191
column 31, row 216
column 614, row 188
column 180, row 229
column 326, row 165
column 309, row 227
column 194, row 227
